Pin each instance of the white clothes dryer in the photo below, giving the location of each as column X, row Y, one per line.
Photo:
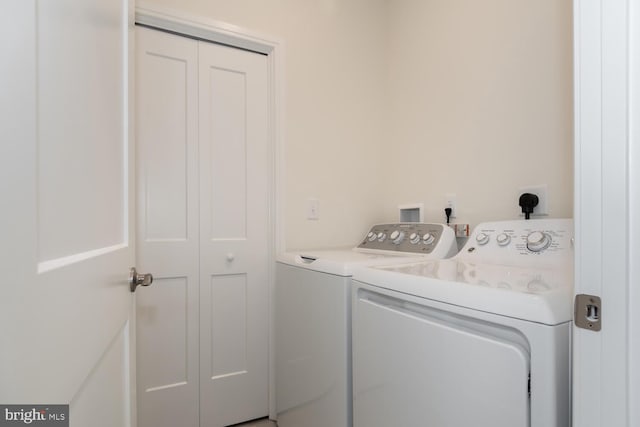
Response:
column 481, row 339
column 313, row 319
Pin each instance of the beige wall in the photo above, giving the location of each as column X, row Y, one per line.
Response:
column 480, row 105
column 396, row 101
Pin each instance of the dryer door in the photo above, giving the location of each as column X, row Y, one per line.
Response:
column 415, row 365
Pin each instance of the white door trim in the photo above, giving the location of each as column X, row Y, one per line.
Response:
column 223, row 33
column 634, row 210
column 204, row 29
column 605, row 379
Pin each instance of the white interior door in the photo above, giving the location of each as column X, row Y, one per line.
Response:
column 66, row 226
column 234, row 235
column 167, row 232
column 203, row 229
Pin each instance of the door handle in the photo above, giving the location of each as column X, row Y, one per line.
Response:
column 138, row 279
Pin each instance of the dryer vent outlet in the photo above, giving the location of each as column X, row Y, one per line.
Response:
column 413, row 212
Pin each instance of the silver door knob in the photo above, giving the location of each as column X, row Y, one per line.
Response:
column 136, row 279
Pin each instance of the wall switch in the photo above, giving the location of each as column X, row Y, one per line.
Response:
column 543, row 199
column 451, row 202
column 313, row 209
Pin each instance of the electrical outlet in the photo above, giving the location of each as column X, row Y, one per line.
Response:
column 543, row 200
column 451, row 202
column 313, row 209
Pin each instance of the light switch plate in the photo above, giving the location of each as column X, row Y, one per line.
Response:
column 313, row 209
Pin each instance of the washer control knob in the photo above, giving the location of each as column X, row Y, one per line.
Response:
column 397, row 237
column 381, row 236
column 482, row 238
column 538, row 241
column 371, row 236
column 503, row 239
column 428, row 238
column 414, row 238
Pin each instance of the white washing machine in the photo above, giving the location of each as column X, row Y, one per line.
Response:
column 313, row 319
column 481, row 339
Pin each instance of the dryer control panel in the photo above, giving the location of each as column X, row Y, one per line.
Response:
column 533, row 242
column 436, row 240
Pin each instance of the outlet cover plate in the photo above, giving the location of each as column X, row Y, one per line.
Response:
column 451, row 201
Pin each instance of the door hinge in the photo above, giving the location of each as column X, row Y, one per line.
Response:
column 587, row 312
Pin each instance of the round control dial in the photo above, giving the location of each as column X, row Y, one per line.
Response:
column 397, row 237
column 482, row 238
column 428, row 238
column 371, row 236
column 538, row 241
column 503, row 239
column 381, row 236
column 414, row 238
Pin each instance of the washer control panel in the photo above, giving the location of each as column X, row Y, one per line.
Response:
column 411, row 238
column 521, row 242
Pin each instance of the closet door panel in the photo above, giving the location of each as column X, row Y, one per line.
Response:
column 167, row 241
column 228, row 149
column 234, row 297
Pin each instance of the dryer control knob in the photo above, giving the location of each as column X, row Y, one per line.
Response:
column 538, row 241
column 428, row 238
column 414, row 238
column 482, row 238
column 503, row 239
column 381, row 236
column 397, row 237
column 371, row 236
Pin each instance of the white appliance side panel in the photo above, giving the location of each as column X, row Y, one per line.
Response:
column 411, row 368
column 312, row 333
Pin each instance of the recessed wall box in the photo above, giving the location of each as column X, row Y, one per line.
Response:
column 413, row 212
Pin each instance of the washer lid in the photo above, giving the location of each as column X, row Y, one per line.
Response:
column 340, row 261
column 536, row 295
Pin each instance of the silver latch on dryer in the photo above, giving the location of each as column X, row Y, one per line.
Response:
column 587, row 312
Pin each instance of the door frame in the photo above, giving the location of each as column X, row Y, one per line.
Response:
column 634, row 210
column 200, row 28
column 606, row 382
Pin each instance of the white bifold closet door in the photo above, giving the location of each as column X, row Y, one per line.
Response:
column 203, row 229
